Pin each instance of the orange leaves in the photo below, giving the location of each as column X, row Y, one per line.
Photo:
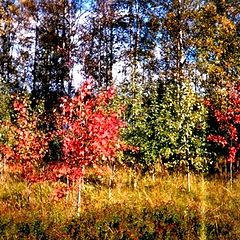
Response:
column 227, row 25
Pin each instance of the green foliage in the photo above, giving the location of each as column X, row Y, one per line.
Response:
column 172, row 129
column 160, row 222
column 5, row 113
column 4, row 101
column 142, row 111
column 216, row 38
column 181, row 127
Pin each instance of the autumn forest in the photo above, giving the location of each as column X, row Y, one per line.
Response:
column 119, row 119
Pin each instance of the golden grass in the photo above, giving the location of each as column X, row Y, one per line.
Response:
column 213, row 199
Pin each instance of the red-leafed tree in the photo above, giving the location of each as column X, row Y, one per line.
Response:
column 27, row 144
column 226, row 115
column 89, row 130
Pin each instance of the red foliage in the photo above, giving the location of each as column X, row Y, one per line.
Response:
column 228, row 120
column 60, row 192
column 217, row 139
column 28, row 145
column 89, row 129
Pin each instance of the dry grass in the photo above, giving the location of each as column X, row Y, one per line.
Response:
column 214, row 200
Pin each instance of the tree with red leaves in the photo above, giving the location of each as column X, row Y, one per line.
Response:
column 227, row 118
column 89, row 129
column 27, row 144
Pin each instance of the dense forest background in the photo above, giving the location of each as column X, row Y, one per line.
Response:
column 174, row 64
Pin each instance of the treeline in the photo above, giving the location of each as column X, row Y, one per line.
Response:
column 175, row 64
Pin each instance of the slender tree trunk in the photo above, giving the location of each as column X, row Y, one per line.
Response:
column 231, row 173
column 111, row 180
column 41, row 197
column 67, row 196
column 34, row 71
column 79, row 196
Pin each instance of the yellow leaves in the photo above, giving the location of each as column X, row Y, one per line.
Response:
column 209, row 41
column 13, row 8
column 227, row 25
column 2, row 20
column 7, row 15
column 211, row 9
column 171, row 21
column 29, row 4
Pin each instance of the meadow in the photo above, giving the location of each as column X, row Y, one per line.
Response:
column 134, row 207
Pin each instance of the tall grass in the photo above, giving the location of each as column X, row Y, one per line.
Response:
column 153, row 208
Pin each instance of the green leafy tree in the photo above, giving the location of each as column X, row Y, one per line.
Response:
column 181, row 127
column 216, row 38
column 141, row 114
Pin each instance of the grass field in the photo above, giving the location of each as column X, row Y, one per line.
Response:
column 135, row 207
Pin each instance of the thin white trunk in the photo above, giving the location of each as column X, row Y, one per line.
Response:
column 79, row 197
